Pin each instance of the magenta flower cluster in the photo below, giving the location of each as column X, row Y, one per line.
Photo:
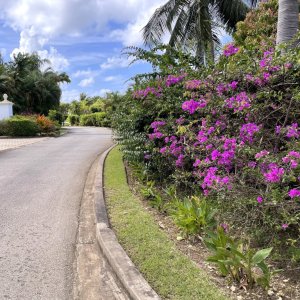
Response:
column 230, row 50
column 191, row 106
column 172, row 79
column 141, row 94
column 239, row 102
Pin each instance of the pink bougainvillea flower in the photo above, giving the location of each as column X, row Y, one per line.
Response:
column 230, row 50
column 191, row 106
column 260, row 199
column 294, row 193
column 163, row 150
column 293, row 131
column 284, row 226
column 261, row 154
column 192, row 84
column 247, row 132
column 157, row 124
column 278, row 129
column 274, row 174
column 172, row 79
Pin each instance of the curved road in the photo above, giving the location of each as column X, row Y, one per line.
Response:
column 41, row 187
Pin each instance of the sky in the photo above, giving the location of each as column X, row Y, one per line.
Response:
column 83, row 38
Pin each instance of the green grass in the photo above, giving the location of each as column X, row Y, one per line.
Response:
column 168, row 271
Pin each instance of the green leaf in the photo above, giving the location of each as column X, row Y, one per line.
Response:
column 260, row 255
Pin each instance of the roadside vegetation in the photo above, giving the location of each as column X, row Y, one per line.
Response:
column 216, row 146
column 87, row 111
column 29, row 126
column 169, row 272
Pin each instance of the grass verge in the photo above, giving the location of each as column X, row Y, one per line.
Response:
column 168, row 271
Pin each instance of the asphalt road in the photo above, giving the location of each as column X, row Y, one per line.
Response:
column 41, row 186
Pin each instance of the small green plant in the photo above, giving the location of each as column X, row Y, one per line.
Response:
column 238, row 260
column 193, row 214
column 155, row 199
column 148, row 190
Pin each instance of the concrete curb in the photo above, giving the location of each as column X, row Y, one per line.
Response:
column 129, row 276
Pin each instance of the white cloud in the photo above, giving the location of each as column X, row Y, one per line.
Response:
column 85, row 73
column 57, row 61
column 86, row 82
column 115, row 62
column 132, row 33
column 112, row 78
column 70, row 95
column 40, row 22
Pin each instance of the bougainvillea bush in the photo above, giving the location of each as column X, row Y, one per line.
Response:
column 230, row 132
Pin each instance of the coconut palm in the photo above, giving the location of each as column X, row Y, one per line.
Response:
column 288, row 20
column 194, row 22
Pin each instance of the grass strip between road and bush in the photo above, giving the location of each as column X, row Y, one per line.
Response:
column 171, row 274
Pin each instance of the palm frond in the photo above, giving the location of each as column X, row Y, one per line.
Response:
column 161, row 21
column 230, row 12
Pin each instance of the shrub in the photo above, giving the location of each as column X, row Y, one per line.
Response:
column 45, row 124
column 21, row 126
column 96, row 119
column 73, row 119
column 3, row 128
column 230, row 131
column 56, row 116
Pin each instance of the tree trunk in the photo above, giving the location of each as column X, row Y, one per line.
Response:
column 288, row 20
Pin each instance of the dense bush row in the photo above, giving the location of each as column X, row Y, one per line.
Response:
column 89, row 111
column 21, row 126
column 229, row 132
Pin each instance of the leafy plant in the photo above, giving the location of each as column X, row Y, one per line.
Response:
column 148, row 190
column 238, row 260
column 21, row 126
column 45, row 124
column 193, row 214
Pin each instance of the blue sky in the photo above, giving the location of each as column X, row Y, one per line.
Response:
column 83, row 38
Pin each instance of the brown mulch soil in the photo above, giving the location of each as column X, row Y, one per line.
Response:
column 284, row 285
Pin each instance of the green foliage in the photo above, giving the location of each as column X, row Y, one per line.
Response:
column 31, row 89
column 260, row 26
column 73, row 120
column 21, row 126
column 193, row 215
column 96, row 119
column 56, row 116
column 238, row 260
column 171, row 273
column 3, row 128
column 149, row 192
column 91, row 111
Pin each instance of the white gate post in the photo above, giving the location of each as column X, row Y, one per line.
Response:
column 6, row 108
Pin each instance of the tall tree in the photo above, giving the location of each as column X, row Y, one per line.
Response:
column 31, row 89
column 288, row 20
column 194, row 22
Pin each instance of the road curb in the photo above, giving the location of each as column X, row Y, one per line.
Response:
column 127, row 273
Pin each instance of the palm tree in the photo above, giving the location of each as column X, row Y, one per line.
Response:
column 288, row 20
column 194, row 22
